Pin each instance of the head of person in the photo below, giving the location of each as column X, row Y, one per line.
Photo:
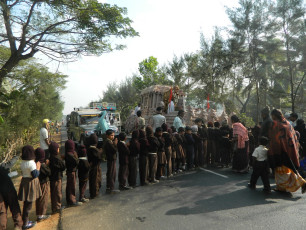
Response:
column 169, row 130
column 110, row 134
column 210, row 124
column 93, row 139
column 181, row 113
column 300, row 122
column 135, row 134
column 158, row 132
column 265, row 113
column 69, row 146
column 263, row 141
column 82, row 151
column 27, row 153
column 122, row 136
column 188, row 130
column 194, row 129
column 173, row 129
column 54, row 148
column 159, row 110
column 45, row 123
column 217, row 124
column 181, row 130
column 277, row 115
column 234, row 119
column 198, row 122
column 293, row 117
column 142, row 134
column 40, row 155
column 139, row 104
column 164, row 127
column 149, row 131
column 138, row 113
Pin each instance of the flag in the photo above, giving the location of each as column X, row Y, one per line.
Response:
column 208, row 106
column 170, row 97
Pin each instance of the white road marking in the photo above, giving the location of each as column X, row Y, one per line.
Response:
column 206, row 170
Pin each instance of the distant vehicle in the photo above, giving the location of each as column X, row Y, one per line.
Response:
column 82, row 123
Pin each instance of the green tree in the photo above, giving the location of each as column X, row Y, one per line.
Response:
column 150, row 74
column 61, row 29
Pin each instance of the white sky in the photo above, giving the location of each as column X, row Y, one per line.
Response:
column 166, row 28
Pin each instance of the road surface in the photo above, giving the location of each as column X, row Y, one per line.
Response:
column 204, row 199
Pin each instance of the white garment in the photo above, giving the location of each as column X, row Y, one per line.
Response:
column 27, row 167
column 171, row 107
column 178, row 122
column 158, row 120
column 261, row 153
column 43, row 137
column 137, row 108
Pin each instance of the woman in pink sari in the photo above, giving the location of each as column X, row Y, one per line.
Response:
column 241, row 146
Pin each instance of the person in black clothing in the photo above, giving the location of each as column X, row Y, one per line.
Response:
column 94, row 155
column 168, row 149
column 134, row 148
column 124, row 153
column 266, row 124
column 152, row 153
column 83, row 172
column 210, row 144
column 72, row 161
column 143, row 157
column 225, row 149
column 196, row 137
column 189, row 145
column 301, row 128
column 44, row 173
column 110, row 149
column 8, row 197
column 161, row 155
column 202, row 144
column 217, row 137
column 57, row 166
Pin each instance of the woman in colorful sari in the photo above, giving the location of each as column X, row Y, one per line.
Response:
column 241, row 146
column 283, row 155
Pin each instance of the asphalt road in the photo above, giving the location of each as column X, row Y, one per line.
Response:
column 202, row 199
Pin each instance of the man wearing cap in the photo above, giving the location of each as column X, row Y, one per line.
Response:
column 44, row 138
column 158, row 119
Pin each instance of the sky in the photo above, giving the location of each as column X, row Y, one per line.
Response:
column 166, row 28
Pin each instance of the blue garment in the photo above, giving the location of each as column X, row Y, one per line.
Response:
column 177, row 123
column 102, row 124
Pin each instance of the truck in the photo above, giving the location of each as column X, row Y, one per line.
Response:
column 82, row 122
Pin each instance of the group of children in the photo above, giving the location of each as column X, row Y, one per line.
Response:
column 160, row 153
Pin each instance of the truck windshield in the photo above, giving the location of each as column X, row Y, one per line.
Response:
column 92, row 119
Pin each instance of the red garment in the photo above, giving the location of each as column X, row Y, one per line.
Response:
column 242, row 132
column 283, row 139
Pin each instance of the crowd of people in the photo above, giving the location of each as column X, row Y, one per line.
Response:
column 155, row 152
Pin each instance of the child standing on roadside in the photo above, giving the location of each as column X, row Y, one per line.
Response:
column 124, row 153
column 260, row 166
column 110, row 148
column 29, row 190
column 57, row 166
column 72, row 161
column 45, row 172
column 83, row 172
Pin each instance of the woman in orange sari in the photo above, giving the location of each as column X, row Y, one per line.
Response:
column 283, row 155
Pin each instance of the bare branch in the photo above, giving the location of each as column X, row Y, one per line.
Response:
column 8, row 27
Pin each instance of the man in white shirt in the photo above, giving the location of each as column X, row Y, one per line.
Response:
column 179, row 120
column 260, row 165
column 44, row 138
column 158, row 119
column 137, row 108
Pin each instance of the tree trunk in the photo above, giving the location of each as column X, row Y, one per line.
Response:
column 7, row 67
